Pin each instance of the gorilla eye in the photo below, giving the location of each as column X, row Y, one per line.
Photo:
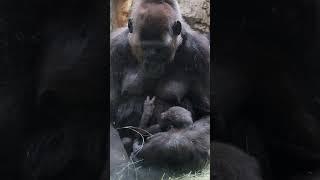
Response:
column 176, row 28
column 130, row 26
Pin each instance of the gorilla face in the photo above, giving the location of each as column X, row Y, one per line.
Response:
column 154, row 36
column 156, row 53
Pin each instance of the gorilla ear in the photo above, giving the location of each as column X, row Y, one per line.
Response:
column 130, row 26
column 176, row 28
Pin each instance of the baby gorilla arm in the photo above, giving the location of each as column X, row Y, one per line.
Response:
column 148, row 109
column 147, row 112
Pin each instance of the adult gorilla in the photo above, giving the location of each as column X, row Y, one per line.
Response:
column 52, row 87
column 160, row 56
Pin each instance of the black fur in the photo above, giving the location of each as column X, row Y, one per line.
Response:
column 177, row 133
column 178, row 147
column 189, row 67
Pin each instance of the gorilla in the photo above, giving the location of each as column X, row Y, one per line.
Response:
column 158, row 51
column 176, row 122
column 175, row 117
column 52, row 86
column 152, row 119
column 178, row 140
column 266, row 86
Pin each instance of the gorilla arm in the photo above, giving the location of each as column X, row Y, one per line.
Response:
column 118, row 56
column 200, row 92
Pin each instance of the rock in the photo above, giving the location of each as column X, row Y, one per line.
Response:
column 196, row 14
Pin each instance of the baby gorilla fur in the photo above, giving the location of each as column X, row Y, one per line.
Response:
column 174, row 129
column 173, row 119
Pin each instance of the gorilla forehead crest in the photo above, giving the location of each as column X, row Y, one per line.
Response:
column 155, row 15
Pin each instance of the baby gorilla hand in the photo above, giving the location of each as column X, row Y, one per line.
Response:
column 149, row 105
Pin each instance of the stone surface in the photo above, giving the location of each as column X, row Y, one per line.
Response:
column 195, row 12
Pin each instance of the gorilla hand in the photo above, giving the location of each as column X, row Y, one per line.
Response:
column 148, row 107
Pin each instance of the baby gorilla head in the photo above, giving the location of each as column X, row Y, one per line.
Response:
column 175, row 117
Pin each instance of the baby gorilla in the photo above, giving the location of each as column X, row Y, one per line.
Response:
column 174, row 119
column 173, row 131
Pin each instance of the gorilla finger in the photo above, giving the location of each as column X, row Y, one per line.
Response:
column 153, row 99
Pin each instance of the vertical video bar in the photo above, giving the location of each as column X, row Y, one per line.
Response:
column 52, row 89
column 267, row 90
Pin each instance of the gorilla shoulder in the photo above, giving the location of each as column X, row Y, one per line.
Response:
column 119, row 40
column 194, row 50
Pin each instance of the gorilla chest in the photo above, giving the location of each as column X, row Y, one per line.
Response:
column 171, row 88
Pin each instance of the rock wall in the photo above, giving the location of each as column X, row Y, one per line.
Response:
column 195, row 12
column 119, row 11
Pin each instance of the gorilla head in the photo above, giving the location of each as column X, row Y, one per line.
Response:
column 154, row 37
column 177, row 117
